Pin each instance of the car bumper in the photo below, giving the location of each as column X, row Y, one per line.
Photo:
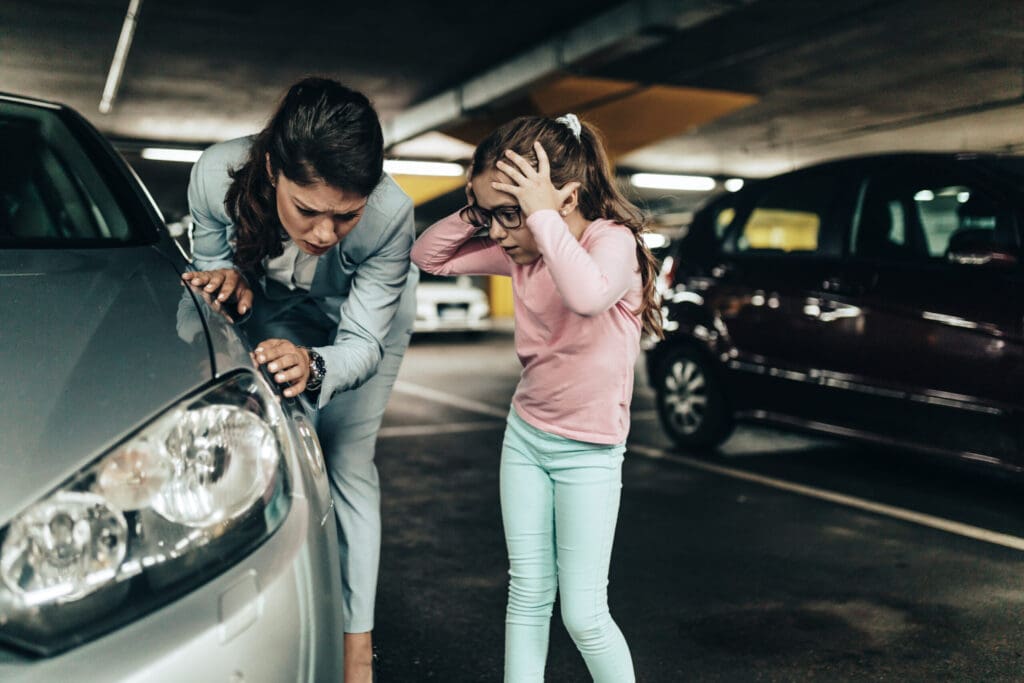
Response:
column 456, row 325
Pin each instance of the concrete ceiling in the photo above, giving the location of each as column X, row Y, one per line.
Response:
column 207, row 70
column 809, row 79
column 845, row 78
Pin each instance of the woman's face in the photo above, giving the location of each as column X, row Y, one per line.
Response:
column 518, row 243
column 317, row 216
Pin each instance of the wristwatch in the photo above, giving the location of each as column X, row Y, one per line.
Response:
column 317, row 370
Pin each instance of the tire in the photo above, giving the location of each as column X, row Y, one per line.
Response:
column 692, row 403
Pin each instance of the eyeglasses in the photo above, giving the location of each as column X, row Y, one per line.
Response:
column 509, row 217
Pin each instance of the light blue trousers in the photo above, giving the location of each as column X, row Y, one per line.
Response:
column 559, row 505
column 347, row 428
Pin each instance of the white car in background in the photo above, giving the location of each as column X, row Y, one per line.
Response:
column 451, row 304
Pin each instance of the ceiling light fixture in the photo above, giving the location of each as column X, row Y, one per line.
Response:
column 432, row 168
column 189, row 156
column 664, row 181
column 655, row 240
column 124, row 43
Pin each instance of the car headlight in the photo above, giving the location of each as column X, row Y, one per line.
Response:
column 189, row 495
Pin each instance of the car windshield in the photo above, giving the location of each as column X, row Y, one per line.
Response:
column 51, row 193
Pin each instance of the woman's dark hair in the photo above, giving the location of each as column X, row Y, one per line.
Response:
column 584, row 160
column 321, row 132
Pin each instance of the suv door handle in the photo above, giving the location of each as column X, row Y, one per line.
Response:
column 838, row 285
column 721, row 270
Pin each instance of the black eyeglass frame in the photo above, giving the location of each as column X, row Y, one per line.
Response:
column 481, row 218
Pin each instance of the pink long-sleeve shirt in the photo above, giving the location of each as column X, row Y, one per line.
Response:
column 577, row 334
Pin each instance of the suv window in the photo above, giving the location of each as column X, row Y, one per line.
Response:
column 924, row 216
column 721, row 218
column 788, row 217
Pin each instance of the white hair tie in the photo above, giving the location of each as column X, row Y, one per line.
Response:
column 572, row 122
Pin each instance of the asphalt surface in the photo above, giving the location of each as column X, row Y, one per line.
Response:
column 793, row 558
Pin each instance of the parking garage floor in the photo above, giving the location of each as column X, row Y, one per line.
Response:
column 786, row 558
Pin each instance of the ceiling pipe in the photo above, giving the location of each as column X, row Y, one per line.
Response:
column 632, row 26
column 124, row 44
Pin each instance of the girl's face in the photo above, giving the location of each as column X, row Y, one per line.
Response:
column 518, row 243
column 318, row 216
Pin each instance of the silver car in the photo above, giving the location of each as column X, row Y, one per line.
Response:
column 164, row 512
column 450, row 304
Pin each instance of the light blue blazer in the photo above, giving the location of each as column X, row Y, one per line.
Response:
column 358, row 284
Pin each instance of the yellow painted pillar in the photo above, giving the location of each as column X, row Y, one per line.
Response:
column 500, row 291
column 422, row 188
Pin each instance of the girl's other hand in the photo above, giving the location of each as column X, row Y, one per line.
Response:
column 222, row 284
column 287, row 363
column 532, row 187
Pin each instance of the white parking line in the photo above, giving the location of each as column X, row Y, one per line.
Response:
column 919, row 518
column 451, row 399
column 479, row 407
column 430, row 430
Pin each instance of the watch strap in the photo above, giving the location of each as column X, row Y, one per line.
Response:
column 317, row 370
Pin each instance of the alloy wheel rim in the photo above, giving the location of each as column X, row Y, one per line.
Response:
column 686, row 396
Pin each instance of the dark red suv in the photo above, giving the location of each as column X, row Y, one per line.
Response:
column 879, row 298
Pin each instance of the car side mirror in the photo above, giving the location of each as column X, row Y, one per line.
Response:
column 982, row 257
column 975, row 247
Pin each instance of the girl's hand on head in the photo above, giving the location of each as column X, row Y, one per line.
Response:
column 287, row 363
column 532, row 187
column 222, row 284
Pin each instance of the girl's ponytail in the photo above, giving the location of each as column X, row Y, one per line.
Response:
column 603, row 199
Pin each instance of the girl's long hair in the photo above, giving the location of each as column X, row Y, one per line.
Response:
column 321, row 132
column 583, row 160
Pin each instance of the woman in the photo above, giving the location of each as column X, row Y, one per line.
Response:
column 301, row 228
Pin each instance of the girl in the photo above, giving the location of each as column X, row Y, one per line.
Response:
column 300, row 225
column 583, row 282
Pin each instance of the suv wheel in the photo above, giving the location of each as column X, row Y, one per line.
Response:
column 691, row 400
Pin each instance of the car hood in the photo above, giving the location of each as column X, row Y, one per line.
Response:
column 90, row 349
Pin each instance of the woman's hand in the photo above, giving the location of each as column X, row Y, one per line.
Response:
column 288, row 364
column 222, row 284
column 214, row 304
column 531, row 186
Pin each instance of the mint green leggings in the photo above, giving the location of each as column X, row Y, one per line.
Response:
column 559, row 504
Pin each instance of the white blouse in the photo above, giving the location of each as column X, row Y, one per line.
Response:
column 294, row 268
